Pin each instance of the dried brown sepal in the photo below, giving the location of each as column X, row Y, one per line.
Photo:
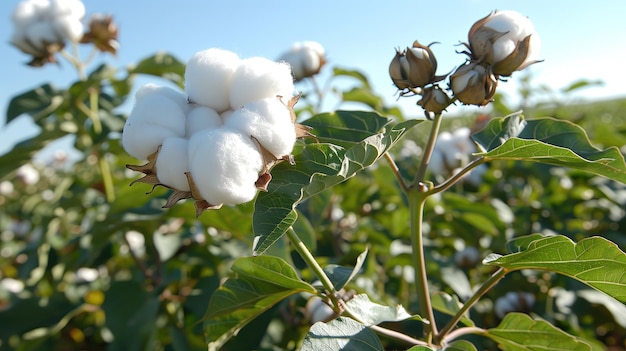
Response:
column 102, row 33
column 148, row 169
column 263, row 181
column 290, row 105
column 200, row 204
column 515, row 61
column 176, row 196
column 304, row 131
column 203, row 205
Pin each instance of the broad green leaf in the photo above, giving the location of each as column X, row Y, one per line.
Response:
column 420, row 348
column 460, row 345
column 551, row 141
column 449, row 305
column 521, row 243
column 38, row 103
column 24, row 151
column 341, row 334
column 340, row 276
column 365, row 96
column 343, row 72
column 518, row 332
column 17, row 317
column 262, row 282
column 163, row 65
column 131, row 314
column 594, row 261
column 346, row 128
column 317, row 167
column 369, row 313
column 272, row 270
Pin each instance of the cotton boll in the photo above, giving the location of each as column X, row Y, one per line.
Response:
column 72, row 8
column 258, row 78
column 202, row 117
column 225, row 165
column 208, row 77
column 152, row 119
column 68, row 28
column 172, row 163
column 18, row 39
column 41, row 33
column 269, row 122
column 28, row 12
column 175, row 95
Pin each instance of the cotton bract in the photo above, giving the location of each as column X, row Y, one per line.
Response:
column 217, row 142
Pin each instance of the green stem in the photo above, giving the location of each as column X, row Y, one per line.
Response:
column 396, row 172
column 107, row 179
column 428, row 150
column 487, row 285
column 94, row 115
column 417, row 199
column 457, row 176
column 314, row 266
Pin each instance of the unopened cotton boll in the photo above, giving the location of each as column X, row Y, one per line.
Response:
column 225, row 166
column 172, row 163
column 208, row 77
column 175, row 95
column 258, row 78
column 202, row 117
column 153, row 118
column 269, row 122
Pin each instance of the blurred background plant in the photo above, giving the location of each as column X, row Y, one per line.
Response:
column 89, row 263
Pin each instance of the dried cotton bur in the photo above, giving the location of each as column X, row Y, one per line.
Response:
column 218, row 143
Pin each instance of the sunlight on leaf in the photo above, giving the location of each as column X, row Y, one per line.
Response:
column 594, row 261
column 341, row 334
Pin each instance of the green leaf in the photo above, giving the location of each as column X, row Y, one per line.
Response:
column 346, row 128
column 161, row 65
column 38, row 103
column 363, row 95
column 340, row 276
column 24, row 151
column 521, row 243
column 341, row 334
column 551, row 141
column 130, row 315
column 449, row 305
column 262, row 282
column 460, row 345
column 369, row 313
column 18, row 319
column 345, row 72
column 594, row 261
column 271, row 270
column 518, row 332
column 317, row 167
column 577, row 85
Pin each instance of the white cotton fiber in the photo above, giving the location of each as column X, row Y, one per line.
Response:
column 175, row 95
column 172, row 163
column 269, row 122
column 259, row 78
column 153, row 118
column 208, row 77
column 225, row 165
column 202, row 117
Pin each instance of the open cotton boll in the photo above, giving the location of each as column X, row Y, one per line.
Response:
column 152, row 119
column 259, row 78
column 269, row 122
column 225, row 166
column 173, row 162
column 208, row 77
column 73, row 8
column 68, row 28
column 41, row 33
column 202, row 117
column 28, row 12
column 172, row 94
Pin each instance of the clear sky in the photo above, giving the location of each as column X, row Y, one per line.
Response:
column 580, row 40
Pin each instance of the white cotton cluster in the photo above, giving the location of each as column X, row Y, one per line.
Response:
column 305, row 58
column 516, row 27
column 40, row 23
column 217, row 140
column 452, row 152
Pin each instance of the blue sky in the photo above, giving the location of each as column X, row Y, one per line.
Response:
column 580, row 40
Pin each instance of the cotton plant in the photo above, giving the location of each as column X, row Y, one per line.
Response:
column 217, row 141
